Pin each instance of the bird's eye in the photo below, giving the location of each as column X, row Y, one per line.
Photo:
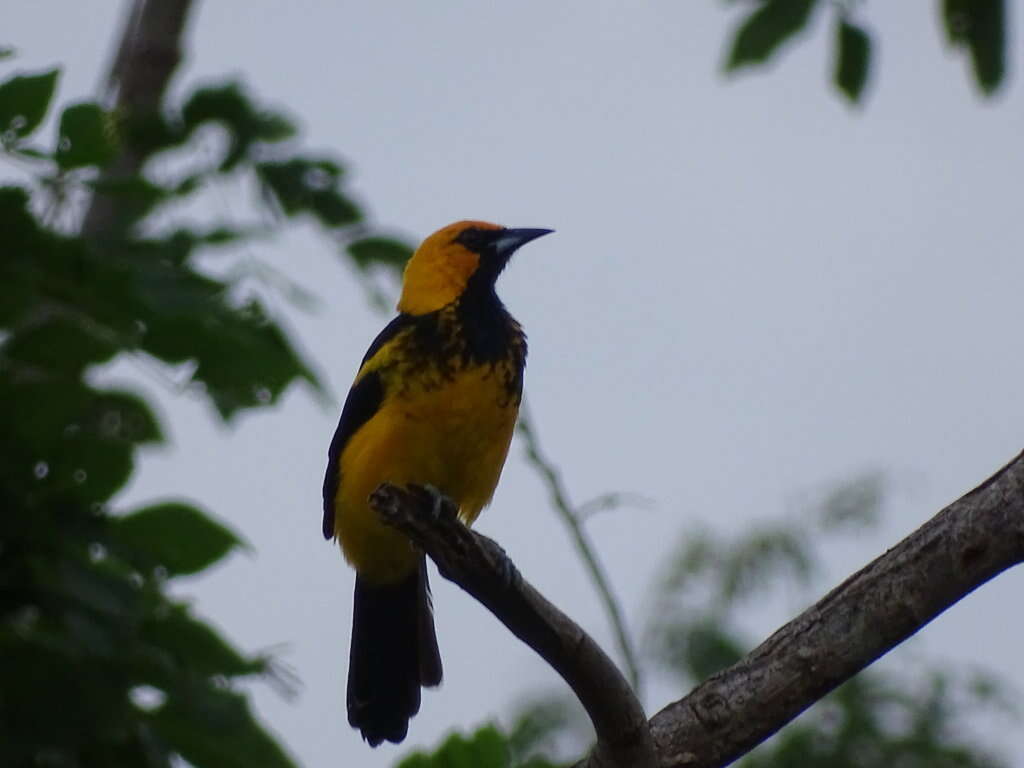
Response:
column 474, row 239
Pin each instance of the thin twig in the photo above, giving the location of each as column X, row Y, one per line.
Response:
column 481, row 568
column 560, row 501
column 611, row 500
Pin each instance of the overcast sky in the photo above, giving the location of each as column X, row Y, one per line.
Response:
column 753, row 291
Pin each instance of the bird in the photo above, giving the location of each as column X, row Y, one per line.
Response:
column 434, row 404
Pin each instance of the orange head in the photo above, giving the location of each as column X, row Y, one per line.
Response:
column 442, row 267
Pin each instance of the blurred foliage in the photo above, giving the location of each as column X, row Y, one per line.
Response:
column 976, row 26
column 875, row 719
column 100, row 665
column 487, row 747
column 546, row 725
column 700, row 623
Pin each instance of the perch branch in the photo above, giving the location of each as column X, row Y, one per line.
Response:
column 481, row 568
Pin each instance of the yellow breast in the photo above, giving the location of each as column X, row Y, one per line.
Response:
column 454, row 437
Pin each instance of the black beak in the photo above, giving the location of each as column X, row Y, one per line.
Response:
column 509, row 241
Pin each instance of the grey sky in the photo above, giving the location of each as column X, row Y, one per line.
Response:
column 753, row 290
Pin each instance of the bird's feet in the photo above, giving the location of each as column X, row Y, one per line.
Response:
column 431, row 521
column 504, row 568
column 441, row 507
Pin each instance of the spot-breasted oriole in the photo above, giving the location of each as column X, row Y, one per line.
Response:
column 434, row 403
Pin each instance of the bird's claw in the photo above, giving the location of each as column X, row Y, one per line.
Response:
column 384, row 501
column 508, row 574
column 441, row 507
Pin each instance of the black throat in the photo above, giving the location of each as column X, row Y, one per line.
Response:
column 489, row 331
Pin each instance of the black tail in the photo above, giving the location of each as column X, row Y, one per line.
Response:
column 394, row 652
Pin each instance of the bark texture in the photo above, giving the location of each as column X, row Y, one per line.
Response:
column 149, row 52
column 966, row 544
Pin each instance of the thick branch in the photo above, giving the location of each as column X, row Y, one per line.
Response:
column 148, row 54
column 479, row 566
column 880, row 606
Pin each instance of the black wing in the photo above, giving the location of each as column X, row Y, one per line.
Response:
column 363, row 401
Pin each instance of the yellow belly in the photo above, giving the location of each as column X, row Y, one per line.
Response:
column 454, row 438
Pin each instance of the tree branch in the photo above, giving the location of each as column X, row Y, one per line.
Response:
column 481, row 568
column 880, row 606
column 148, row 54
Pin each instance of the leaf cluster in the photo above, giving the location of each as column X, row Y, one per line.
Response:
column 977, row 26
column 101, row 665
column 487, row 747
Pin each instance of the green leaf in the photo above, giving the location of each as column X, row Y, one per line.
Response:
column 246, row 124
column 68, row 441
column 6, row 52
column 763, row 552
column 244, row 360
column 149, row 295
column 24, row 100
column 980, row 25
column 535, row 728
column 176, row 536
column 45, row 674
column 195, row 645
column 64, row 344
column 853, row 57
column 486, row 748
column 123, row 416
column 143, row 194
column 382, row 251
column 766, row 29
column 24, row 244
column 309, row 185
column 217, row 729
column 30, row 153
column 106, row 595
column 706, row 648
column 86, row 137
